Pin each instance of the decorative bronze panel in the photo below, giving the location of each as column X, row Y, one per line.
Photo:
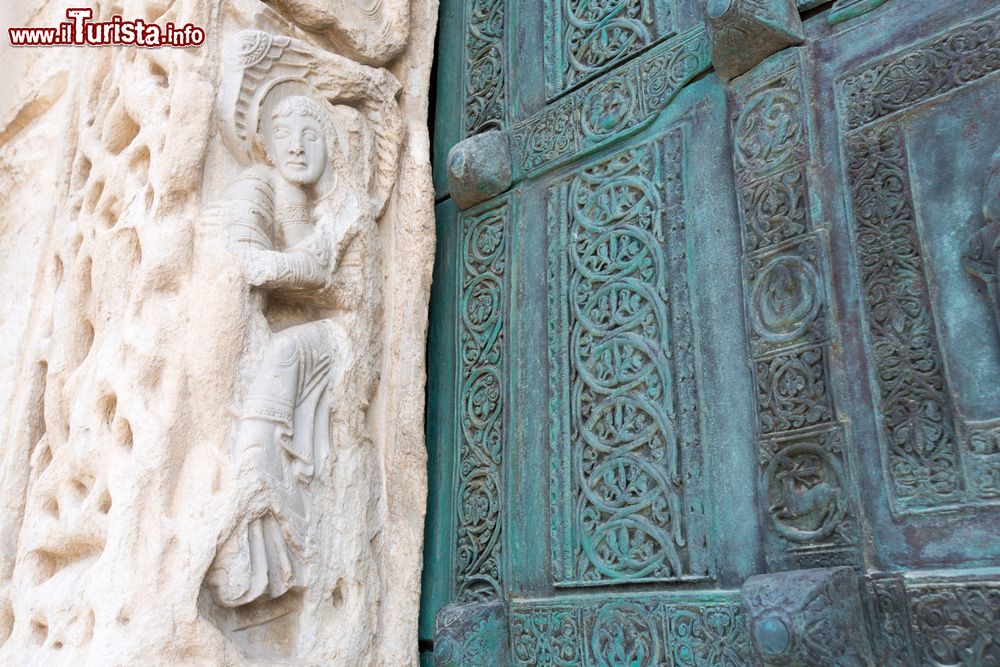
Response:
column 627, row 495
column 694, row 630
column 934, row 459
column 618, row 102
column 482, row 430
column 936, row 620
column 584, row 38
column 485, row 72
column 806, row 489
column 807, row 617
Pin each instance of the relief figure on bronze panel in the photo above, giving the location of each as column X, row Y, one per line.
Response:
column 982, row 255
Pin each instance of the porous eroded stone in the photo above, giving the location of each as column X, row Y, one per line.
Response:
column 219, row 261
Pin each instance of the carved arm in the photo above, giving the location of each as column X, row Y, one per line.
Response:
column 308, row 265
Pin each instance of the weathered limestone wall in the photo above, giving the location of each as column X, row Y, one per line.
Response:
column 185, row 478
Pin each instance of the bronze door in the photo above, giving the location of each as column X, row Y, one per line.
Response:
column 714, row 357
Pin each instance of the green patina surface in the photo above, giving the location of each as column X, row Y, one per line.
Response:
column 716, row 380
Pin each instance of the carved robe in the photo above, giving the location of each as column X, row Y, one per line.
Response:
column 284, row 421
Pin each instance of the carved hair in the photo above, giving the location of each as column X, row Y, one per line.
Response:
column 306, row 106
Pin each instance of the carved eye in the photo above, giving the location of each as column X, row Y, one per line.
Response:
column 280, row 132
column 310, row 135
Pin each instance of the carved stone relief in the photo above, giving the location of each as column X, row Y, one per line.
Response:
column 223, row 462
column 369, row 31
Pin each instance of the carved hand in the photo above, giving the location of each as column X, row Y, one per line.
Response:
column 259, row 266
column 297, row 268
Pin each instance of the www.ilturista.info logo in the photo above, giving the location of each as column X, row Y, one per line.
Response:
column 118, row 31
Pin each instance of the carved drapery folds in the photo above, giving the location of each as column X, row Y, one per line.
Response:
column 319, row 136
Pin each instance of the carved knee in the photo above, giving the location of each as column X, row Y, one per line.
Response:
column 283, row 351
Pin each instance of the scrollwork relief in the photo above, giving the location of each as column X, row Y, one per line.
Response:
column 701, row 630
column 887, row 601
column 921, row 439
column 792, row 391
column 624, row 633
column 806, row 480
column 471, row 634
column 584, row 38
column 982, row 459
column 930, row 620
column 615, row 103
column 934, row 458
column 957, row 624
column 617, row 463
column 933, row 68
column 485, row 66
column 707, row 635
column 774, row 209
column 546, row 637
column 482, row 335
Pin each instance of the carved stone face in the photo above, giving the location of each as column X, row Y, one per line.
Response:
column 298, row 148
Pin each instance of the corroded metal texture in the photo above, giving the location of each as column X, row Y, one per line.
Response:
column 745, row 332
column 479, row 168
column 744, row 32
column 807, row 617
